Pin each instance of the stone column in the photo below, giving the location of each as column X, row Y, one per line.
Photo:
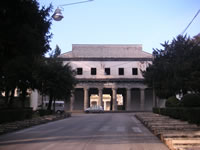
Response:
column 86, row 100
column 114, row 99
column 100, row 97
column 72, row 98
column 142, row 98
column 128, row 99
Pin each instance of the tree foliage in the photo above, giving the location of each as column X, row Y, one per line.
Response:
column 55, row 79
column 24, row 39
column 175, row 69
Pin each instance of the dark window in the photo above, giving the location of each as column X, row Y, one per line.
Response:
column 93, row 71
column 107, row 71
column 134, row 71
column 121, row 71
column 79, row 71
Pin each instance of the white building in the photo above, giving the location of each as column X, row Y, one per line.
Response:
column 110, row 76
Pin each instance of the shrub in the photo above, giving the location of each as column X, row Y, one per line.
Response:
column 190, row 100
column 15, row 114
column 43, row 112
column 188, row 114
column 172, row 102
column 156, row 110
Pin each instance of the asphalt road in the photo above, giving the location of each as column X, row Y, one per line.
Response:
column 107, row 131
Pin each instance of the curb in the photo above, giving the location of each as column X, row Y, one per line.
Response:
column 18, row 125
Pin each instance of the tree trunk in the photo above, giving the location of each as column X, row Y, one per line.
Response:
column 50, row 102
column 7, row 97
column 10, row 102
column 54, row 105
column 23, row 98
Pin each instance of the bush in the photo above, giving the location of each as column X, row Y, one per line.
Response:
column 190, row 100
column 43, row 112
column 193, row 115
column 188, row 114
column 156, row 110
column 172, row 102
column 15, row 114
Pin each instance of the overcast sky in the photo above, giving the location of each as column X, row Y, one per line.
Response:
column 146, row 22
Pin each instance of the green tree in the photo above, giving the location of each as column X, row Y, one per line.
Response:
column 55, row 79
column 194, row 59
column 24, row 38
column 175, row 68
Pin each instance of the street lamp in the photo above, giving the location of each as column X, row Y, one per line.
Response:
column 57, row 15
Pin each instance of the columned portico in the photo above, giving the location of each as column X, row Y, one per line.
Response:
column 113, row 97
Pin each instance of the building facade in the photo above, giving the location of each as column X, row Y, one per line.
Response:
column 109, row 76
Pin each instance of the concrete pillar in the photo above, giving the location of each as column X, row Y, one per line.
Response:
column 72, row 99
column 142, row 99
column 100, row 97
column 34, row 98
column 86, row 100
column 114, row 99
column 128, row 99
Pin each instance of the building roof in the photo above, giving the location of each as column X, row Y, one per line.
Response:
column 106, row 51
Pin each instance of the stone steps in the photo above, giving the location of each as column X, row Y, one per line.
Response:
column 182, row 143
column 176, row 134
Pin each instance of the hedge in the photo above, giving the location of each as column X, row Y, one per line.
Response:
column 172, row 102
column 190, row 100
column 15, row 114
column 187, row 114
column 43, row 112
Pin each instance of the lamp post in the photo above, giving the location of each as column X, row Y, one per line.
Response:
column 57, row 15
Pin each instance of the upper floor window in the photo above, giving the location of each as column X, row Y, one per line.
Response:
column 121, row 71
column 79, row 71
column 93, row 71
column 107, row 71
column 134, row 71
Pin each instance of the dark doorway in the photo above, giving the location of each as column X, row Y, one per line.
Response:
column 135, row 99
column 79, row 99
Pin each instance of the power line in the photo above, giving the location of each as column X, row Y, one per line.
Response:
column 76, row 3
column 191, row 22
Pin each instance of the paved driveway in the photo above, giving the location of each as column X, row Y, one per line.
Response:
column 109, row 131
